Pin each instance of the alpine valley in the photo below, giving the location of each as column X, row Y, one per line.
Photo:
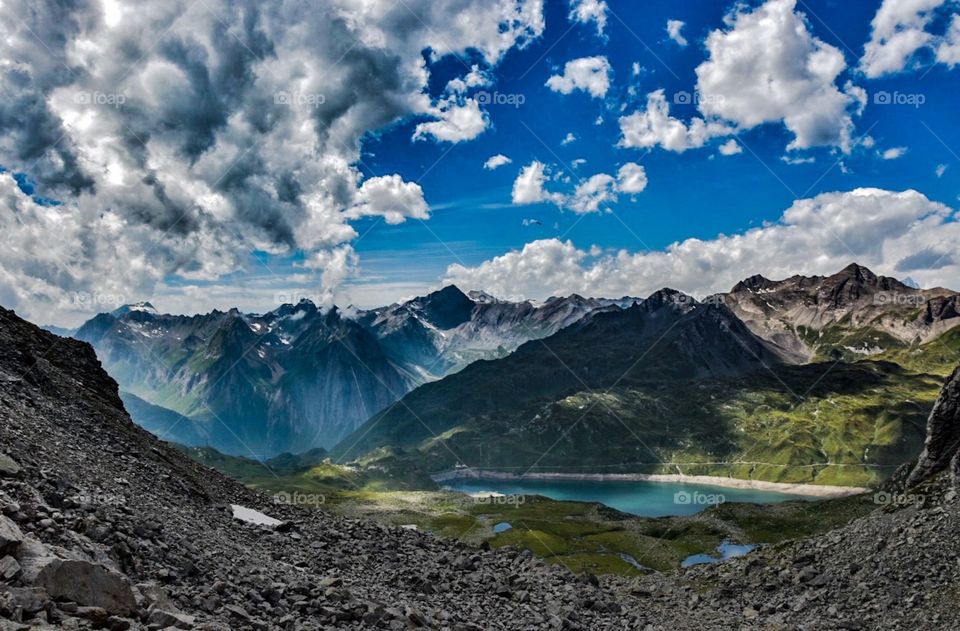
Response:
column 301, row 377
column 811, row 379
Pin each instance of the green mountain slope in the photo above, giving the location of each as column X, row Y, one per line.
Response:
column 669, row 387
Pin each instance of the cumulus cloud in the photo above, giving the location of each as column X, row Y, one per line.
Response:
column 767, row 67
column 586, row 11
column 940, row 170
column 529, row 188
column 389, row 197
column 880, row 229
column 590, row 194
column 730, row 148
column 653, row 126
column 674, row 28
column 476, row 78
column 496, row 161
column 631, row 178
column 898, row 30
column 193, row 134
column 570, row 137
column 948, row 50
column 764, row 67
column 336, row 266
column 590, row 74
column 457, row 120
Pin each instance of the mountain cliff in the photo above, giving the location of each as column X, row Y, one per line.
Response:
column 300, row 376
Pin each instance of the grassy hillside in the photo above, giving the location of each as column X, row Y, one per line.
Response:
column 826, row 423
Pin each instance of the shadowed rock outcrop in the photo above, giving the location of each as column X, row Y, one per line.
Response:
column 942, row 446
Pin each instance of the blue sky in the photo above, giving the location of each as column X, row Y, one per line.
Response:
column 232, row 153
column 695, row 194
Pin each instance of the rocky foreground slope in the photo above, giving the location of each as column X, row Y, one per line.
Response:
column 103, row 526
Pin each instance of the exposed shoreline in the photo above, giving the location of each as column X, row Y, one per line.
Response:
column 810, row 490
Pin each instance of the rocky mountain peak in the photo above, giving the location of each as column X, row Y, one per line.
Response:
column 753, row 283
column 863, row 277
column 136, row 307
column 942, row 447
column 446, row 308
column 668, row 297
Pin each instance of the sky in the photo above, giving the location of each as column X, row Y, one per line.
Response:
column 231, row 153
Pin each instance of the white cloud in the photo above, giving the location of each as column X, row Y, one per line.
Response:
column 631, row 178
column 496, row 161
column 576, row 163
column 585, row 11
column 730, row 148
column 654, row 126
column 570, row 137
column 767, row 67
column 336, row 266
column 883, row 230
column 898, row 30
column 388, row 196
column 458, row 120
column 528, row 188
column 474, row 79
column 941, row 169
column 894, row 153
column 798, row 159
column 673, row 30
column 241, row 131
column 590, row 194
column 590, row 74
column 948, row 51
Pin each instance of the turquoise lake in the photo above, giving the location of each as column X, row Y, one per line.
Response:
column 646, row 499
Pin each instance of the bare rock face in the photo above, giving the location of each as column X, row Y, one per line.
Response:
column 88, row 584
column 8, row 466
column 10, row 536
column 943, row 433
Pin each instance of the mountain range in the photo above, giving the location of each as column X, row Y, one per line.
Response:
column 810, row 379
column 301, row 376
column 103, row 526
column 803, row 379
